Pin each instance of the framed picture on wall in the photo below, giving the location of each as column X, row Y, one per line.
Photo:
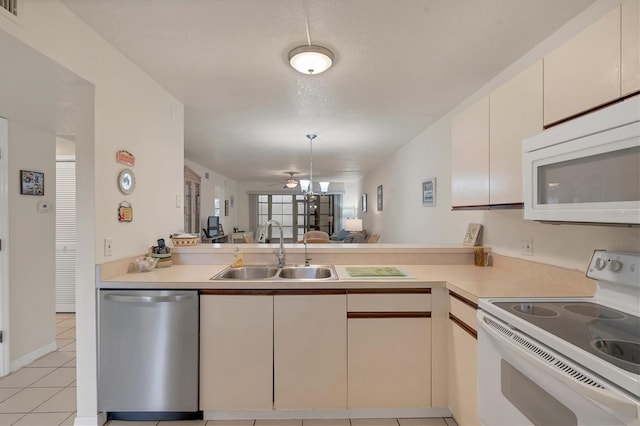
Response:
column 379, row 193
column 364, row 202
column 429, row 192
column 226, row 207
column 31, row 183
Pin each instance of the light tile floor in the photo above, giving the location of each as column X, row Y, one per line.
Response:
column 44, row 394
column 338, row 422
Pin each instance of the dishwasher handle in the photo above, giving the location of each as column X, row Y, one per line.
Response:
column 126, row 298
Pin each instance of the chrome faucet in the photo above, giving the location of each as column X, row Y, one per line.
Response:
column 306, row 257
column 280, row 253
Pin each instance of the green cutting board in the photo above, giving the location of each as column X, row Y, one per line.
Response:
column 374, row 271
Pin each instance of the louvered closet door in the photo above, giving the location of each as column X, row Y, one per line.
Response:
column 65, row 236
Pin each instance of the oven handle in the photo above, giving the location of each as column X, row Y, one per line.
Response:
column 614, row 402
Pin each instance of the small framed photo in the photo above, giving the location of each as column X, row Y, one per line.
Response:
column 31, row 183
column 472, row 236
column 379, row 193
column 429, row 192
column 364, row 202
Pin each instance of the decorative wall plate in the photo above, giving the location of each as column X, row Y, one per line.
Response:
column 126, row 181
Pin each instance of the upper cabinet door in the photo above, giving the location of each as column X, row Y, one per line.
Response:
column 584, row 72
column 470, row 156
column 630, row 47
column 515, row 114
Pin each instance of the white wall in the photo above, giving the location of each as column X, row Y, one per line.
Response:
column 215, row 186
column 404, row 219
column 130, row 111
column 32, row 250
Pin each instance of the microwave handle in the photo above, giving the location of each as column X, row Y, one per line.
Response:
column 604, row 397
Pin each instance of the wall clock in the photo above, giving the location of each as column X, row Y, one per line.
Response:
column 126, row 181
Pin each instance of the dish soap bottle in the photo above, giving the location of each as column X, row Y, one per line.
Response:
column 238, row 259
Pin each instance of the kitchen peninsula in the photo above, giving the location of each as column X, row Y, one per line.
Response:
column 348, row 347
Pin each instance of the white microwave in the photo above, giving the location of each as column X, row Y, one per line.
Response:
column 586, row 170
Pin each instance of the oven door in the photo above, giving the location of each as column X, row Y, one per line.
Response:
column 521, row 382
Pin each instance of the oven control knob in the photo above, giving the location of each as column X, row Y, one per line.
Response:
column 615, row 265
column 600, row 264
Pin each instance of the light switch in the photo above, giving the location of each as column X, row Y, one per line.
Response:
column 108, row 246
column 178, row 201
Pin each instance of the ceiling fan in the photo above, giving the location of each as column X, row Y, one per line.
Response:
column 290, row 182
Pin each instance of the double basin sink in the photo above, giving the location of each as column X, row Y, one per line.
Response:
column 266, row 272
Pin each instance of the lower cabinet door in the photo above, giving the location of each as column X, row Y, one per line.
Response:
column 463, row 372
column 389, row 363
column 310, row 351
column 236, row 352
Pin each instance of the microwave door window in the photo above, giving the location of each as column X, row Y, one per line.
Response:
column 608, row 177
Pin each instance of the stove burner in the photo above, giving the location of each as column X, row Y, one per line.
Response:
column 619, row 349
column 533, row 310
column 594, row 311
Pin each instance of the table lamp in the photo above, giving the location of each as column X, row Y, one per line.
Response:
column 353, row 225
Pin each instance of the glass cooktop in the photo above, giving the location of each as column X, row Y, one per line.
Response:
column 607, row 333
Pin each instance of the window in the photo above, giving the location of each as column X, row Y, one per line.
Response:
column 295, row 214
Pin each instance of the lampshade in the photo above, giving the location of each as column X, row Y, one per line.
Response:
column 310, row 59
column 304, row 185
column 291, row 183
column 353, row 225
column 324, row 186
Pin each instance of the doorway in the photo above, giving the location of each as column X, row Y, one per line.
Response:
column 65, row 226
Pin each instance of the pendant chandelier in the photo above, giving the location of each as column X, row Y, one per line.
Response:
column 307, row 185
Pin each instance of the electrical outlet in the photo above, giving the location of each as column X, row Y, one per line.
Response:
column 108, row 245
column 526, row 246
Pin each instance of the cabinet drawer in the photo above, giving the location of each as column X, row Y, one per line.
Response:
column 418, row 301
column 460, row 308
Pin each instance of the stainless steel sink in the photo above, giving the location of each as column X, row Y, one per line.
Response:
column 254, row 272
column 266, row 272
column 307, row 273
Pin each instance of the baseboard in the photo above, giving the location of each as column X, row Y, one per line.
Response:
column 27, row 359
column 97, row 420
column 375, row 413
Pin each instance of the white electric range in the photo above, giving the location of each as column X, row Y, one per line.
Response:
column 564, row 361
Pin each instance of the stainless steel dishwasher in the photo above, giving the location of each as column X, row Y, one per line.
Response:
column 148, row 354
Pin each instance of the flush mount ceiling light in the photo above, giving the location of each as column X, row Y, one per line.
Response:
column 310, row 59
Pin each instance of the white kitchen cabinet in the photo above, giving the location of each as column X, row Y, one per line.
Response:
column 463, row 354
column 630, row 47
column 515, row 114
column 470, row 156
column 389, row 350
column 486, row 140
column 310, row 350
column 584, row 72
column 236, row 351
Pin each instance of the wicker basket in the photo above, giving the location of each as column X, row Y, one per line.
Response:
column 164, row 259
column 185, row 241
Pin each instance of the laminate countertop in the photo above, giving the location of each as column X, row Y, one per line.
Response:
column 466, row 280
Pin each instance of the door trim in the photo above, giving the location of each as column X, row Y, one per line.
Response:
column 4, row 253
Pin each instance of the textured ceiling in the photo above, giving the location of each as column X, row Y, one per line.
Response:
column 399, row 65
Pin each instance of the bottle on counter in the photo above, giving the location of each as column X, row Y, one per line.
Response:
column 238, row 259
